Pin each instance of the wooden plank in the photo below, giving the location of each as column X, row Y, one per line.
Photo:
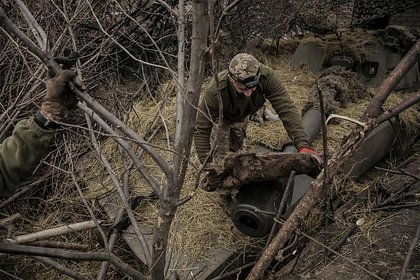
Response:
column 109, row 202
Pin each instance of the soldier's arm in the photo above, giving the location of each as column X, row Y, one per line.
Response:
column 208, row 111
column 279, row 98
column 21, row 152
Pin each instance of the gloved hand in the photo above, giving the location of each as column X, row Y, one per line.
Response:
column 310, row 151
column 209, row 181
column 60, row 99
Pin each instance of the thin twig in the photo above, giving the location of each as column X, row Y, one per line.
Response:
column 36, row 29
column 123, row 48
column 234, row 271
column 123, row 197
column 112, row 238
column 60, row 268
column 406, row 205
column 338, row 254
column 11, row 248
column 111, row 242
column 394, row 196
column 327, row 213
column 400, row 172
column 117, row 138
column 410, row 253
column 290, row 182
column 335, row 247
column 224, row 14
column 82, row 196
column 10, row 275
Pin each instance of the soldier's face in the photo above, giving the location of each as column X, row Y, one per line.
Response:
column 242, row 89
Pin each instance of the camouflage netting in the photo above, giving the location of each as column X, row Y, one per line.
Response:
column 250, row 21
column 399, row 38
column 368, row 10
column 275, row 19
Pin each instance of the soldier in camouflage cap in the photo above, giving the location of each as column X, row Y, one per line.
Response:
column 244, row 87
column 244, row 67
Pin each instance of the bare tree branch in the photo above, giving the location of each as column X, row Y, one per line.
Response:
column 36, row 29
column 53, row 232
column 383, row 91
column 54, row 67
column 183, row 141
column 410, row 101
column 61, row 268
column 82, row 197
column 124, row 200
column 410, row 252
column 16, row 249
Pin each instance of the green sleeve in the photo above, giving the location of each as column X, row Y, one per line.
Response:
column 21, row 152
column 208, row 112
column 285, row 108
column 207, row 115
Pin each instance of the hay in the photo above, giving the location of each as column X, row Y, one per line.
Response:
column 368, row 225
column 200, row 224
column 359, row 39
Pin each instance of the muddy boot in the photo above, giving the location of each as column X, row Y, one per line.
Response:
column 225, row 203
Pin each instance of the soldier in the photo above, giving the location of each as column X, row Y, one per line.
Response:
column 21, row 152
column 244, row 88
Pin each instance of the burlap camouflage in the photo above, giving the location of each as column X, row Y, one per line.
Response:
column 231, row 136
column 243, row 66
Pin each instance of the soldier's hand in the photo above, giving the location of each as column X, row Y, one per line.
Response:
column 209, row 181
column 60, row 99
column 312, row 152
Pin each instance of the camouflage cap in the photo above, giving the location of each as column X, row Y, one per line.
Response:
column 243, row 66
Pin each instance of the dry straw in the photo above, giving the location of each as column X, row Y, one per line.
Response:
column 200, row 224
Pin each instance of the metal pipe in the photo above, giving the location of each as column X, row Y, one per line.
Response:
column 373, row 149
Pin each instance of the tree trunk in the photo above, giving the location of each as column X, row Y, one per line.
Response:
column 186, row 113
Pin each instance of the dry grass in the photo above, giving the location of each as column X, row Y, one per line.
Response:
column 200, row 224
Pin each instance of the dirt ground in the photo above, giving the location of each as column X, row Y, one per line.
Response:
column 376, row 250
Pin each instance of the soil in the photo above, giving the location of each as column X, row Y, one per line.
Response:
column 380, row 246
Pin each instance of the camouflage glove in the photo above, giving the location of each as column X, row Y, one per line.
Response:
column 209, row 181
column 60, row 99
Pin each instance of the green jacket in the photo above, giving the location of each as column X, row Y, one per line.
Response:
column 237, row 107
column 21, row 152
